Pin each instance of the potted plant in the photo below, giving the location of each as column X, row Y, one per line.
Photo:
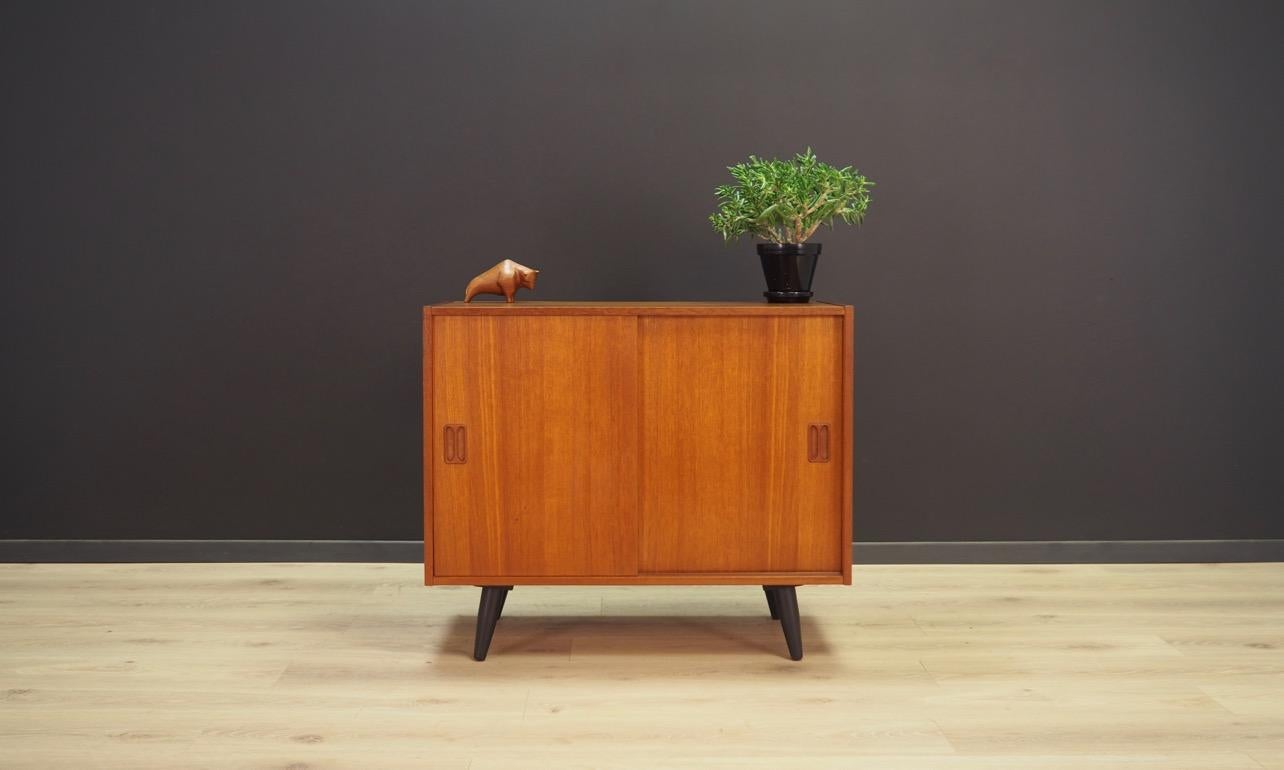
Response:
column 784, row 202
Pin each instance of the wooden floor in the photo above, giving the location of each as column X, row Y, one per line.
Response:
column 358, row 665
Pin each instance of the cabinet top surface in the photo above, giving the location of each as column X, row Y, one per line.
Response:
column 536, row 307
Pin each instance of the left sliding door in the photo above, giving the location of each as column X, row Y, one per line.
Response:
column 534, row 445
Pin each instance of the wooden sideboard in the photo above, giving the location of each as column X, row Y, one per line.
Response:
column 630, row 443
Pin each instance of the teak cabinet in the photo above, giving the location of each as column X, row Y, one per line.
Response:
column 616, row 443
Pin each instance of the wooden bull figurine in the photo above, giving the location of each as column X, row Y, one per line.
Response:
column 505, row 278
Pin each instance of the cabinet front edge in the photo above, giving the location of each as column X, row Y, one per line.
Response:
column 650, row 579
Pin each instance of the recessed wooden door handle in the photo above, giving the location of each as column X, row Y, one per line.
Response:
column 818, row 442
column 455, row 444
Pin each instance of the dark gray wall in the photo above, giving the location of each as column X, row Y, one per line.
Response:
column 221, row 220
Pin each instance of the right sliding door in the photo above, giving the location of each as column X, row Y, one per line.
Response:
column 740, row 443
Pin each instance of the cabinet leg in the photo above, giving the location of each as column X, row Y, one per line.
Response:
column 492, row 604
column 787, row 607
column 771, row 601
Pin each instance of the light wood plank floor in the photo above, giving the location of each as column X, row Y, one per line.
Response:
column 1167, row 667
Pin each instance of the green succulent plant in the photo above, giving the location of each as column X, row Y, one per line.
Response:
column 786, row 201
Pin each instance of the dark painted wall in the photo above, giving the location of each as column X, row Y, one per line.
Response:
column 221, row 220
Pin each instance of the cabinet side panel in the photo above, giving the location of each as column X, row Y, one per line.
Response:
column 849, row 429
column 426, row 459
column 548, row 408
column 726, row 481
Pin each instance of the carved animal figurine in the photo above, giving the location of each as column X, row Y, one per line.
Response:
column 505, row 278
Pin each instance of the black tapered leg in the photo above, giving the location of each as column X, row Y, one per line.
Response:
column 771, row 601
column 492, row 604
column 787, row 606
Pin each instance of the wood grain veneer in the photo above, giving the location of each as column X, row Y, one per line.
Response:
column 549, row 486
column 725, row 482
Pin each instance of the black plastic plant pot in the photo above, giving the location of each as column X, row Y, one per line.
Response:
column 789, row 268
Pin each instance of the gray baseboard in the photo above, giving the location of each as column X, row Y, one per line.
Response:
column 411, row 551
column 108, row 551
column 1069, row 552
